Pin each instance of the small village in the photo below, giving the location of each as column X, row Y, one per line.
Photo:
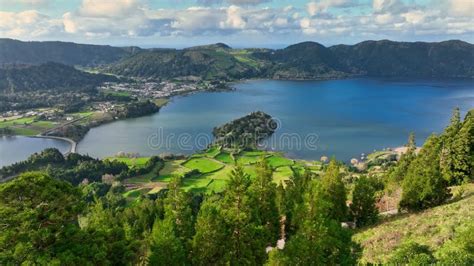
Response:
column 163, row 89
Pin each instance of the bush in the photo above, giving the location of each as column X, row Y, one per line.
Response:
column 363, row 210
column 424, row 186
column 412, row 253
column 460, row 250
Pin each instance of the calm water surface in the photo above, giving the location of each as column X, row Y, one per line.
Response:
column 16, row 148
column 347, row 117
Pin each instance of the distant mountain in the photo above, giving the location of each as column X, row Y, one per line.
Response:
column 215, row 46
column 19, row 52
column 404, row 59
column 208, row 62
column 307, row 60
column 49, row 76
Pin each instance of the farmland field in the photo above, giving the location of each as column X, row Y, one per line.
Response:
column 132, row 162
column 214, row 166
column 276, row 161
column 224, row 157
column 27, row 126
column 172, row 168
column 204, row 165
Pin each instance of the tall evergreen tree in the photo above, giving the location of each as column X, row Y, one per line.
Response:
column 165, row 247
column 319, row 239
column 210, row 241
column 462, row 163
column 335, row 191
column 398, row 172
column 244, row 248
column 470, row 118
column 424, row 185
column 448, row 155
column 178, row 209
column 263, row 197
column 362, row 209
column 293, row 198
column 102, row 223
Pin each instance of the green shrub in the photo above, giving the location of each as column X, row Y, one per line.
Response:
column 460, row 250
column 412, row 253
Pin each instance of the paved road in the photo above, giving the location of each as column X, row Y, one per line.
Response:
column 73, row 147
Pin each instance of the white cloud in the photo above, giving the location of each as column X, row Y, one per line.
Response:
column 34, row 2
column 27, row 23
column 388, row 6
column 316, row 7
column 29, row 4
column 109, row 8
column 462, row 7
column 234, row 18
column 414, row 17
column 112, row 18
column 384, row 18
column 232, row 2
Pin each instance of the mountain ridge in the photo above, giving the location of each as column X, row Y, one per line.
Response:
column 69, row 53
column 304, row 60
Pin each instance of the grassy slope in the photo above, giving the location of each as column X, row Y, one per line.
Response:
column 132, row 162
column 27, row 126
column 204, row 165
column 432, row 227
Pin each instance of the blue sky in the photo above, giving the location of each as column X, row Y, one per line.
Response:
column 240, row 23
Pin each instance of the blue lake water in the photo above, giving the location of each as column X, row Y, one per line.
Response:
column 17, row 148
column 341, row 118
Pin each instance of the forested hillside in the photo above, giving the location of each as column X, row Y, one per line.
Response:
column 18, row 52
column 207, row 62
column 48, row 76
column 449, row 59
column 306, row 60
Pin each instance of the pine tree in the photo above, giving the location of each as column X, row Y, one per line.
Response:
column 177, row 208
column 363, row 210
column 462, row 163
column 448, row 155
column 319, row 239
column 335, row 191
column 165, row 247
column 293, row 197
column 424, row 186
column 243, row 247
column 470, row 117
column 210, row 241
column 263, row 197
column 399, row 172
